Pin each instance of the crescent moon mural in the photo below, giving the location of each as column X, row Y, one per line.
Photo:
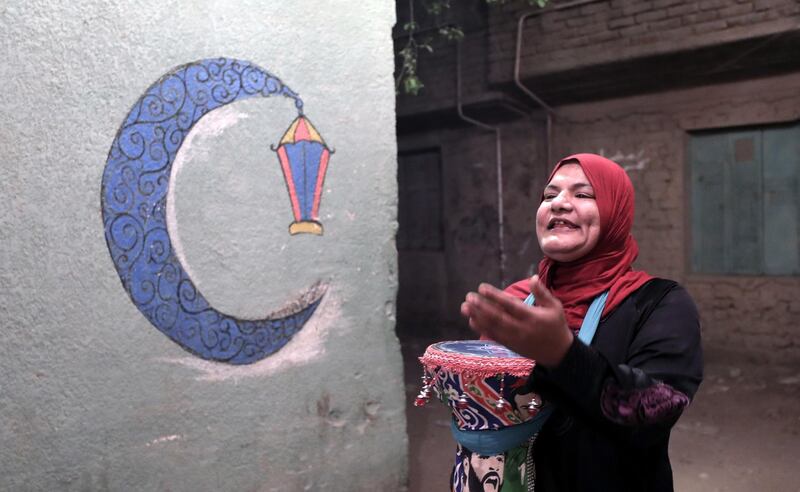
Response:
column 136, row 188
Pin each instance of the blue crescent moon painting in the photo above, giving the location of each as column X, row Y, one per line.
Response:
column 134, row 194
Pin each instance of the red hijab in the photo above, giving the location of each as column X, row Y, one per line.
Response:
column 608, row 266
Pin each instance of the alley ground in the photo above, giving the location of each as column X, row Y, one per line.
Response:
column 741, row 433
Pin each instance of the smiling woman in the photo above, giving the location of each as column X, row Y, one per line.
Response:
column 617, row 352
column 568, row 222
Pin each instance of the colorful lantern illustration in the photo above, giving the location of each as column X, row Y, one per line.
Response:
column 304, row 160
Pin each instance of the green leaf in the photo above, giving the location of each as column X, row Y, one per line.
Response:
column 451, row 33
column 436, row 7
column 412, row 85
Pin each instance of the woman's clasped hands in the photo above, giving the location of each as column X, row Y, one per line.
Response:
column 539, row 332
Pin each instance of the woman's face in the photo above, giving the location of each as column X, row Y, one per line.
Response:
column 568, row 222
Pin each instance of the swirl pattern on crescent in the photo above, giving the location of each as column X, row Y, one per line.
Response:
column 134, row 196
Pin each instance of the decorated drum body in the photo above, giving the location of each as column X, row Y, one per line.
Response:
column 482, row 382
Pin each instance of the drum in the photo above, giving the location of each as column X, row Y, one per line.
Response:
column 482, row 381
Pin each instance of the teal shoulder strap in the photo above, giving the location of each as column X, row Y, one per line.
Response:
column 590, row 321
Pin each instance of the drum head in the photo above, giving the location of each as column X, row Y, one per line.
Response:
column 476, row 357
column 479, row 348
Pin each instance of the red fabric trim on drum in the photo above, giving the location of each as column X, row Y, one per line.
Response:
column 477, row 366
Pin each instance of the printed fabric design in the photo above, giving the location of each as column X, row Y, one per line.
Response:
column 481, row 412
column 650, row 405
column 497, row 473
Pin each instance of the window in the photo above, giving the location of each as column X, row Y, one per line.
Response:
column 419, row 178
column 745, row 198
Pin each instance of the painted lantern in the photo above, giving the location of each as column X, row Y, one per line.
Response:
column 304, row 159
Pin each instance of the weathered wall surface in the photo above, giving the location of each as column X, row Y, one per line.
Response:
column 93, row 397
column 752, row 317
column 602, row 31
column 430, row 120
column 438, row 69
column 470, row 209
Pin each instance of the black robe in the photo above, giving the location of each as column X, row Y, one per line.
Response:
column 617, row 399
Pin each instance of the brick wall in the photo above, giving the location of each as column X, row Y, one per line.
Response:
column 753, row 317
column 606, row 31
column 437, row 70
column 469, row 177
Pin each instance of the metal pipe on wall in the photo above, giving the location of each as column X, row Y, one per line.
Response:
column 496, row 129
column 551, row 113
column 498, row 166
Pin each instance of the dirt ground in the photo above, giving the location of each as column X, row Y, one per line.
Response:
column 741, row 432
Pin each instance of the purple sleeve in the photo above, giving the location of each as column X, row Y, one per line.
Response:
column 640, row 406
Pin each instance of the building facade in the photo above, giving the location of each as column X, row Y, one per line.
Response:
column 698, row 101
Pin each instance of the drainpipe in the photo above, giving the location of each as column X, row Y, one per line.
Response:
column 498, row 165
column 551, row 113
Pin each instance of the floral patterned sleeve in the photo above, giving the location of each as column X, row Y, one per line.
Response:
column 655, row 403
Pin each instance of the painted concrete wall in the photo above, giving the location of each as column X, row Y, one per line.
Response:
column 92, row 396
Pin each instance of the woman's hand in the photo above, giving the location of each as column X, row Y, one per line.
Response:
column 538, row 332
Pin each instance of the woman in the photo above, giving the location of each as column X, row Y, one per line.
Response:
column 616, row 399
